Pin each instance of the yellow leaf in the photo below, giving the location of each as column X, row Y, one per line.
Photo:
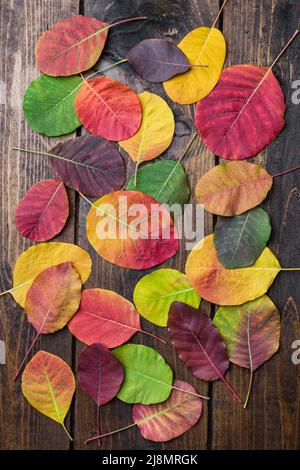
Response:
column 39, row 257
column 48, row 384
column 156, row 131
column 229, row 286
column 202, row 46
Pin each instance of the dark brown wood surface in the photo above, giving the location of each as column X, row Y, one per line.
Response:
column 255, row 31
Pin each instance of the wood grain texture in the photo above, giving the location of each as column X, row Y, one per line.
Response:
column 165, row 21
column 22, row 22
column 271, row 420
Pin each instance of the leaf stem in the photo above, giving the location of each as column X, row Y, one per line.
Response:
column 218, row 15
column 284, row 49
column 152, row 336
column 15, row 288
column 26, row 355
column 99, row 425
column 286, row 171
column 231, row 389
column 105, row 69
column 249, row 389
column 136, row 174
column 127, row 21
column 67, row 432
column 109, row 433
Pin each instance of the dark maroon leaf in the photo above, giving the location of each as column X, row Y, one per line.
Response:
column 198, row 343
column 89, row 164
column 157, row 60
column 100, row 375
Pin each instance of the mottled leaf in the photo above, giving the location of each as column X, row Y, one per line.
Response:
column 232, row 188
column 155, row 292
column 107, row 108
column 48, row 384
column 243, row 114
column 240, row 240
column 204, row 46
column 170, row 419
column 71, row 46
column 51, row 301
column 37, row 258
column 229, row 286
column 89, row 164
column 148, row 378
column 198, row 343
column 165, row 181
column 43, row 211
column 157, row 60
column 251, row 333
column 124, row 228
column 104, row 317
column 49, row 105
column 156, row 131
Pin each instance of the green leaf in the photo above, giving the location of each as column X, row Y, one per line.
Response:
column 165, row 181
column 239, row 240
column 155, row 292
column 49, row 105
column 148, row 378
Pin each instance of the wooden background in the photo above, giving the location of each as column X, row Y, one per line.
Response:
column 255, row 31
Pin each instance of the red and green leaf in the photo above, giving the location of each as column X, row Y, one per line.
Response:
column 43, row 211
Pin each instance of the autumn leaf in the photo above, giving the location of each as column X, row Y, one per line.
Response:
column 100, row 375
column 43, row 211
column 51, row 301
column 126, row 235
column 201, row 46
column 170, row 419
column 88, row 164
column 37, row 258
column 157, row 60
column 148, row 378
column 232, row 188
column 49, row 105
column 156, row 131
column 48, row 384
column 165, row 181
column 105, row 317
column 73, row 45
column 229, row 286
column 107, row 108
column 243, row 114
column 198, row 343
column 240, row 240
column 251, row 333
column 155, row 292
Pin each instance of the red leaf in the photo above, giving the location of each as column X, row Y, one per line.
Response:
column 90, row 165
column 243, row 114
column 105, row 317
column 165, row 421
column 71, row 46
column 198, row 343
column 108, row 108
column 100, row 374
column 43, row 211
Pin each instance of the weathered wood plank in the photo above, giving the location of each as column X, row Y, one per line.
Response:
column 165, row 19
column 22, row 22
column 255, row 32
